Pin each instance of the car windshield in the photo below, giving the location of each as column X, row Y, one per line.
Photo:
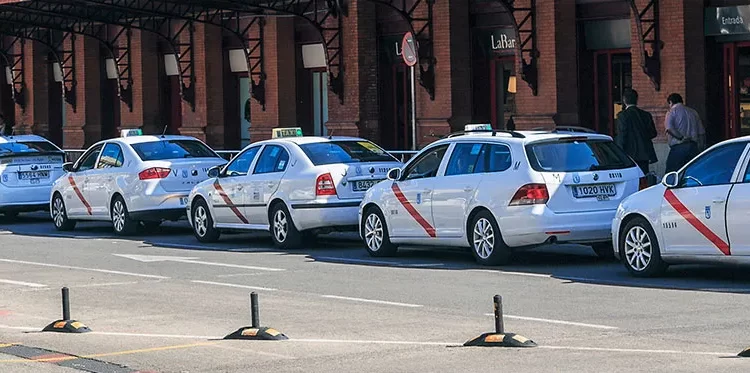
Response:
column 26, row 147
column 322, row 153
column 172, row 149
column 577, row 155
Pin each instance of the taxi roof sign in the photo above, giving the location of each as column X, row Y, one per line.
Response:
column 286, row 132
column 478, row 127
column 131, row 132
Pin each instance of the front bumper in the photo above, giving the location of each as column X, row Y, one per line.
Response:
column 535, row 225
column 340, row 214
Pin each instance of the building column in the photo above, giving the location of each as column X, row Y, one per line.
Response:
column 83, row 126
column 34, row 117
column 281, row 95
column 557, row 100
column 358, row 115
column 207, row 121
column 144, row 60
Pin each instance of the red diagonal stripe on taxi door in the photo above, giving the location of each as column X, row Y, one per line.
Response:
column 696, row 223
column 413, row 211
column 79, row 194
column 229, row 202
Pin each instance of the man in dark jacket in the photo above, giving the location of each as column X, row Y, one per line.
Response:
column 635, row 130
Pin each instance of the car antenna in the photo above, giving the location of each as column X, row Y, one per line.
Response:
column 330, row 134
column 164, row 130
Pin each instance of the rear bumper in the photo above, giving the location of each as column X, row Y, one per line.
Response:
column 159, row 215
column 341, row 215
column 25, row 199
column 535, row 225
column 158, row 201
column 25, row 207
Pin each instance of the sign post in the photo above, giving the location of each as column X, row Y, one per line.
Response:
column 409, row 53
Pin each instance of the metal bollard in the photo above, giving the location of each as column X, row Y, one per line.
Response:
column 66, row 304
column 254, row 310
column 499, row 327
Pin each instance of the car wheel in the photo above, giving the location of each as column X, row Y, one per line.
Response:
column 486, row 241
column 604, row 250
column 375, row 234
column 639, row 250
column 60, row 215
column 283, row 232
column 121, row 221
column 203, row 223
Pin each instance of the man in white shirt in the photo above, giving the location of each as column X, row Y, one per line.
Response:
column 685, row 133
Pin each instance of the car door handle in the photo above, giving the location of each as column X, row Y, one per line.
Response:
column 468, row 189
column 427, row 191
column 719, row 201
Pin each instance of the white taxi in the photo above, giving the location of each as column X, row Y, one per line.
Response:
column 499, row 191
column 29, row 164
column 698, row 214
column 134, row 180
column 291, row 185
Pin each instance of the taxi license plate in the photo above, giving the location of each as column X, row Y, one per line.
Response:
column 363, row 185
column 29, row 175
column 602, row 192
column 183, row 201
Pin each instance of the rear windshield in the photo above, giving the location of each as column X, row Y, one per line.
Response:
column 172, row 149
column 322, row 153
column 28, row 147
column 571, row 156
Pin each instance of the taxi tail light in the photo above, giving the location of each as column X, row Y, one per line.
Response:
column 324, row 185
column 154, row 173
column 530, row 194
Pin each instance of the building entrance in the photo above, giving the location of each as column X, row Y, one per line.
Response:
column 612, row 75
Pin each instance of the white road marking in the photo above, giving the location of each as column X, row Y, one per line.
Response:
column 365, row 261
column 192, row 260
column 238, row 275
column 83, row 269
column 372, row 301
column 233, row 285
column 552, row 321
column 107, row 284
column 29, row 284
column 512, row 273
column 628, row 350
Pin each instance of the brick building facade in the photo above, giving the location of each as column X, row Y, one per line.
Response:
column 585, row 52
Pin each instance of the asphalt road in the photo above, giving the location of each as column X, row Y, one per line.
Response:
column 163, row 302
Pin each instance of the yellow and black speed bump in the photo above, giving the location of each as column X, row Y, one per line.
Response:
column 501, row 340
column 67, row 326
column 744, row 353
column 257, row 334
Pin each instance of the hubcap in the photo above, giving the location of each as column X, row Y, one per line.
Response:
column 58, row 212
column 201, row 221
column 484, row 238
column 373, row 232
column 638, row 248
column 280, row 227
column 118, row 216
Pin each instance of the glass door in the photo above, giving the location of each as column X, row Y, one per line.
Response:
column 612, row 75
column 320, row 102
column 244, row 95
column 742, row 82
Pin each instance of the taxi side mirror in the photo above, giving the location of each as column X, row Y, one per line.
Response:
column 214, row 171
column 394, row 174
column 67, row 166
column 671, row 179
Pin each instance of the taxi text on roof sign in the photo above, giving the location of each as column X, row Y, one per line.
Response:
column 131, row 132
column 286, row 132
column 478, row 127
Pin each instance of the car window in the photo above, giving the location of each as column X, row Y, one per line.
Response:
column 713, row 168
column 172, row 149
column 88, row 160
column 330, row 152
column 463, row 159
column 427, row 164
column 493, row 158
column 111, row 157
column 240, row 165
column 577, row 154
column 26, row 147
column 274, row 158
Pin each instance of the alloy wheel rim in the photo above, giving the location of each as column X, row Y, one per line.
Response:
column 201, row 221
column 484, row 238
column 374, row 232
column 118, row 216
column 280, row 227
column 58, row 212
column 638, row 248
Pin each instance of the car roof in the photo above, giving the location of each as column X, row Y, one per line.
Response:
column 130, row 140
column 302, row 140
column 17, row 138
column 520, row 137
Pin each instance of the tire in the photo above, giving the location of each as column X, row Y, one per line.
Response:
column 283, row 232
column 375, row 232
column 203, row 223
column 486, row 242
column 60, row 215
column 122, row 224
column 604, row 251
column 638, row 245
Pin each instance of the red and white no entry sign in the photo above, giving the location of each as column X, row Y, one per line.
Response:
column 409, row 49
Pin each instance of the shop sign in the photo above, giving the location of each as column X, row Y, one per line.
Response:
column 496, row 41
column 727, row 20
